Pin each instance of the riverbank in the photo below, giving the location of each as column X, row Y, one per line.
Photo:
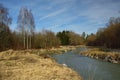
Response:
column 97, row 53
column 26, row 65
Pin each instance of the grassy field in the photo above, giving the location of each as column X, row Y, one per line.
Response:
column 25, row 65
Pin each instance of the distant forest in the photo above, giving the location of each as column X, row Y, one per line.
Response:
column 108, row 36
column 26, row 37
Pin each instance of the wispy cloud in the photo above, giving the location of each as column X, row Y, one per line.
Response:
column 77, row 15
column 53, row 14
column 101, row 9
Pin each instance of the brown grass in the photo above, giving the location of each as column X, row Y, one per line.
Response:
column 113, row 57
column 22, row 65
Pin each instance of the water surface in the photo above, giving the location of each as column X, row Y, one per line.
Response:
column 88, row 68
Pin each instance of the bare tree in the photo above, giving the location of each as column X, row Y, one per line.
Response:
column 32, row 27
column 4, row 18
column 5, row 34
column 26, row 26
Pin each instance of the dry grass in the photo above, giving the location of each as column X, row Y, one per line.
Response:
column 22, row 65
column 113, row 57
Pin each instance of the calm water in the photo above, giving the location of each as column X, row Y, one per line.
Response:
column 89, row 69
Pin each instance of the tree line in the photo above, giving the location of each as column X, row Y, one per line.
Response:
column 25, row 36
column 108, row 36
column 70, row 38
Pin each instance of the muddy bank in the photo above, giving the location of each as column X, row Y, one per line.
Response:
column 113, row 57
column 24, row 65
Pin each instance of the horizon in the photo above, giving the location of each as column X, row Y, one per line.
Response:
column 73, row 15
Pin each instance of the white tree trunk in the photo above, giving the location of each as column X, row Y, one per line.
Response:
column 30, row 42
column 24, row 40
column 27, row 42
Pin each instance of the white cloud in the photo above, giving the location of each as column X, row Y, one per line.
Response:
column 53, row 14
column 91, row 13
column 101, row 10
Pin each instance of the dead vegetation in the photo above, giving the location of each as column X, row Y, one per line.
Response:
column 22, row 65
column 113, row 57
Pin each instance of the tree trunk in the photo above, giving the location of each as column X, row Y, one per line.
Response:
column 24, row 40
column 27, row 42
column 30, row 42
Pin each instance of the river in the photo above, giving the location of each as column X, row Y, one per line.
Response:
column 88, row 68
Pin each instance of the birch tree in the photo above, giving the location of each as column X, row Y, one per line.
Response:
column 26, row 26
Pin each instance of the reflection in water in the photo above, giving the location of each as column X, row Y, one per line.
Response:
column 89, row 69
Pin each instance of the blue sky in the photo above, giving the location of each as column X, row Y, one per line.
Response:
column 57, row 15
